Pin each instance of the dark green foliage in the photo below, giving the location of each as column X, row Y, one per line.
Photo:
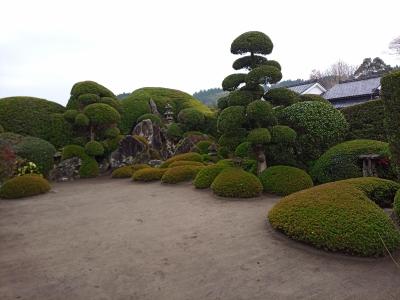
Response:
column 70, row 151
column 391, row 102
column 232, row 140
column 248, row 62
column 252, row 41
column 89, row 168
column 312, row 97
column 24, row 186
column 7, row 160
column 154, row 118
column 273, row 63
column 206, row 176
column 342, row 162
column 148, row 174
column 223, row 152
column 81, row 120
column 281, row 154
column 132, row 110
column 261, row 113
column 1, row 129
column 318, row 126
column 263, row 74
column 174, row 131
column 233, row 81
column 70, row 115
column 396, row 204
column 179, row 163
column 223, row 102
column 87, row 87
column 338, row 216
column 236, row 183
column 366, row 120
column 111, row 144
column 244, row 150
column 37, row 151
column 242, row 97
column 284, row 135
column 34, row 117
column 190, row 156
column 202, row 146
column 191, row 118
column 281, row 96
column 180, row 173
column 231, row 119
column 114, row 103
column 101, row 114
column 94, row 148
column 80, row 140
column 112, row 132
column 86, row 99
column 285, row 180
column 259, row 136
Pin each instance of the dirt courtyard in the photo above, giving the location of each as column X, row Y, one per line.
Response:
column 114, row 239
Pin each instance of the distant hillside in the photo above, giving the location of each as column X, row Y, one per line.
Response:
column 209, row 97
column 123, row 95
column 289, row 82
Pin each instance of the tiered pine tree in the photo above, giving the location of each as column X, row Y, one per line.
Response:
column 246, row 116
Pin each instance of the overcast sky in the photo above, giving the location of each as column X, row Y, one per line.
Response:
column 46, row 46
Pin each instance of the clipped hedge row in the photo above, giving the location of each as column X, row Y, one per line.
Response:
column 285, row 180
column 24, row 186
column 206, row 176
column 148, row 174
column 190, row 156
column 185, row 163
column 338, row 216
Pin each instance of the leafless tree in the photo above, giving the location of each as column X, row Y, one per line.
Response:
column 394, row 46
column 336, row 73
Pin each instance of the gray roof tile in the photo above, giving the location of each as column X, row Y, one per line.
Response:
column 301, row 88
column 353, row 88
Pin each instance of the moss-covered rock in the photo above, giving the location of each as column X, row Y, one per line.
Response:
column 24, row 186
column 236, row 183
column 338, row 216
column 285, row 180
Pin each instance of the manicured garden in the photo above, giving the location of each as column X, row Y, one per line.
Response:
column 257, row 142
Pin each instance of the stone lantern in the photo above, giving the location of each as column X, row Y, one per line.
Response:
column 169, row 114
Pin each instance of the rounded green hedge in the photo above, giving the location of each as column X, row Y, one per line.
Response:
column 284, row 135
column 206, row 176
column 87, row 87
column 203, row 146
column 191, row 118
column 35, row 117
column 86, row 99
column 101, row 114
column 190, row 156
column 231, row 118
column 180, row 174
column 89, row 168
column 281, row 96
column 122, row 172
column 236, row 183
column 70, row 151
column 255, row 42
column 112, row 132
column 185, row 163
column 232, row 82
column 32, row 149
column 338, row 216
column 94, row 148
column 318, row 125
column 259, row 136
column 154, row 118
column 285, row 180
column 242, row 97
column 148, row 174
column 81, row 120
column 244, row 150
column 342, row 162
column 261, row 113
column 24, row 186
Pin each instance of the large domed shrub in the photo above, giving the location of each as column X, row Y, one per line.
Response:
column 91, row 90
column 318, row 125
column 89, row 168
column 206, row 176
column 281, row 96
column 261, row 113
column 191, row 118
column 137, row 104
column 285, row 180
column 101, row 114
column 24, row 186
column 94, row 148
column 236, row 183
column 342, row 161
column 190, row 156
column 148, row 174
column 35, row 117
column 180, row 174
column 338, row 216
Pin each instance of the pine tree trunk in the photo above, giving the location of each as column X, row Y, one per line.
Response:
column 261, row 159
column 91, row 133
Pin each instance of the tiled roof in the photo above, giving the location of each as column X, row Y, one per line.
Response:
column 301, row 88
column 353, row 88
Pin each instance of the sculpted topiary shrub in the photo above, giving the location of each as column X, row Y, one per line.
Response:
column 70, row 151
column 282, row 96
column 148, row 174
column 24, row 186
column 312, row 97
column 342, row 161
column 185, row 163
column 122, row 172
column 236, row 183
column 190, row 156
column 7, row 160
column 191, row 118
column 34, row 117
column 180, row 174
column 285, row 180
column 89, row 168
column 318, row 125
column 94, row 148
column 339, row 217
column 206, row 176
